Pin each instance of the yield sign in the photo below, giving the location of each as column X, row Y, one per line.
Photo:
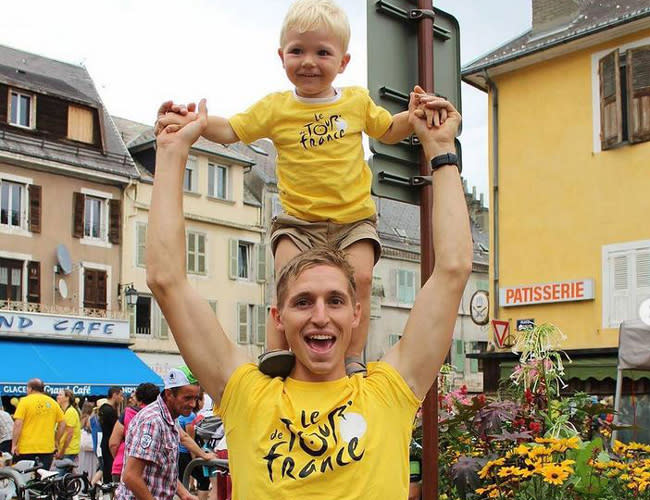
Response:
column 500, row 331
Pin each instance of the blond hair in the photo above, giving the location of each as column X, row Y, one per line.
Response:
column 309, row 15
column 319, row 256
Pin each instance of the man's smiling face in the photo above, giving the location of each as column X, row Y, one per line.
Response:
column 317, row 318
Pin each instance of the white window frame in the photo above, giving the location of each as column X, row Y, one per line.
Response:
column 615, row 250
column 104, row 198
column 213, row 178
column 25, row 182
column 25, row 258
column 192, row 165
column 196, row 270
column 32, row 108
column 249, row 265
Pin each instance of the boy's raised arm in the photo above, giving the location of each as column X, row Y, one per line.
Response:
column 206, row 349
column 420, row 353
column 217, row 130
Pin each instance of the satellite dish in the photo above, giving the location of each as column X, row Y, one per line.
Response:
column 63, row 289
column 63, row 258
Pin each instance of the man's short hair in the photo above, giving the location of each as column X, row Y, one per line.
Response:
column 36, row 384
column 320, row 256
column 147, row 392
column 113, row 390
column 309, row 15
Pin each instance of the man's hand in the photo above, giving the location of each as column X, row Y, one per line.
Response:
column 177, row 114
column 14, row 450
column 209, row 455
column 438, row 139
column 184, row 135
column 59, row 454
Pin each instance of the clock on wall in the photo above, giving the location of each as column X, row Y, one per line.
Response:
column 479, row 307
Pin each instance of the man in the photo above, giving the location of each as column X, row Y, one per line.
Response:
column 107, row 415
column 36, row 418
column 6, row 430
column 319, row 430
column 152, row 440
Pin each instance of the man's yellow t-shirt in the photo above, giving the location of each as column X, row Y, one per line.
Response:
column 346, row 439
column 72, row 420
column 322, row 174
column 40, row 414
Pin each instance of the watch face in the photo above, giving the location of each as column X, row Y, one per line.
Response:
column 479, row 307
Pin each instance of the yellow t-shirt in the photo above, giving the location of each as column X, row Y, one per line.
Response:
column 71, row 417
column 322, row 174
column 346, row 439
column 40, row 414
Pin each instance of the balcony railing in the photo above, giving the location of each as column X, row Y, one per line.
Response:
column 88, row 312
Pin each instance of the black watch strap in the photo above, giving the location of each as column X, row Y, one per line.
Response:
column 445, row 159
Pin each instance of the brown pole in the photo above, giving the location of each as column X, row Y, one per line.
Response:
column 430, row 406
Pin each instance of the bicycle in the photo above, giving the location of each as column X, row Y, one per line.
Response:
column 19, row 482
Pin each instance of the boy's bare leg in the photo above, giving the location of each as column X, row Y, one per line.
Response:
column 361, row 256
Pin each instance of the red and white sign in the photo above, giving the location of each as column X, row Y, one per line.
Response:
column 543, row 293
column 501, row 332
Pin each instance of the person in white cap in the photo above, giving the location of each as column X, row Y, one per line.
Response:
column 318, row 433
column 151, row 450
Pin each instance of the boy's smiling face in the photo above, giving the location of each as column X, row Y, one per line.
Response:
column 312, row 60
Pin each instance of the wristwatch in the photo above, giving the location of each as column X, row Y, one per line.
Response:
column 445, row 159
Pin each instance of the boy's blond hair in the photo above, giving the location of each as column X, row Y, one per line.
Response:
column 308, row 15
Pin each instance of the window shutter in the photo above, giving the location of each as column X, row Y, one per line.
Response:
column 642, row 278
column 621, row 289
column 140, row 245
column 458, row 356
column 611, row 111
column 242, row 322
column 164, row 327
column 638, row 93
column 115, row 221
column 200, row 253
column 260, row 324
column 34, row 282
column 78, row 201
column 35, row 208
column 261, row 262
column 392, row 285
column 101, row 289
column 132, row 322
column 232, row 258
column 211, row 172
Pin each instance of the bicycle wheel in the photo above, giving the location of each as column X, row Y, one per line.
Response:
column 8, row 489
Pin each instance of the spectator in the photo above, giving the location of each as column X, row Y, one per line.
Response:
column 87, row 456
column 96, row 431
column 69, row 444
column 36, row 417
column 107, row 414
column 188, row 424
column 144, row 395
column 150, row 470
column 6, row 429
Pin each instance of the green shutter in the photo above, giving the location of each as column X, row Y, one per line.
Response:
column 232, row 258
column 242, row 322
column 141, row 238
column 211, row 191
column 200, row 254
column 260, row 324
column 164, row 327
column 458, row 356
column 261, row 262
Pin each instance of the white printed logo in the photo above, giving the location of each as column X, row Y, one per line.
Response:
column 352, row 425
column 146, row 441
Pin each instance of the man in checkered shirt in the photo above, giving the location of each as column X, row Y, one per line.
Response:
column 151, row 452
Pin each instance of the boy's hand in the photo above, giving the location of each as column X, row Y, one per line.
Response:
column 425, row 109
column 184, row 135
column 438, row 139
column 173, row 114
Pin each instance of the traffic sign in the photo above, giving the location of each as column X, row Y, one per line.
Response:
column 393, row 66
column 501, row 332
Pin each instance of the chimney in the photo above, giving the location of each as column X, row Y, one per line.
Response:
column 552, row 14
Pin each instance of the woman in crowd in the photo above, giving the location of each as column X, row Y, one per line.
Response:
column 87, row 456
column 69, row 444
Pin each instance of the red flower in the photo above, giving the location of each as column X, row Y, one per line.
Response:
column 535, row 427
column 529, row 396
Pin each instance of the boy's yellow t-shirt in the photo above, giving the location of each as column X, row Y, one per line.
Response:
column 321, row 170
column 346, row 439
column 71, row 417
column 40, row 414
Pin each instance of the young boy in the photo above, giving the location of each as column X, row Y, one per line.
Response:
column 323, row 180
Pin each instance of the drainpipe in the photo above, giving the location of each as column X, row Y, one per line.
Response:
column 494, row 92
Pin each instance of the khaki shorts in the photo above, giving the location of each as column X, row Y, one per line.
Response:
column 306, row 235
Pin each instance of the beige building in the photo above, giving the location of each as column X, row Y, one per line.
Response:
column 226, row 257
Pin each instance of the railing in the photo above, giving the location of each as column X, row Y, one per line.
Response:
column 89, row 312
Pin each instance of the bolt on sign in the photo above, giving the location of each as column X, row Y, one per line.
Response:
column 545, row 293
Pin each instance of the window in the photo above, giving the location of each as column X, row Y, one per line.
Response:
column 17, row 195
column 394, row 338
column 191, row 173
column 241, row 261
column 624, row 87
column 143, row 315
column 80, row 124
column 251, row 321
column 11, row 280
column 97, row 217
column 405, row 286
column 458, row 355
column 217, row 181
column 94, row 293
column 196, row 253
column 626, row 281
column 21, row 109
column 140, row 243
column 11, row 204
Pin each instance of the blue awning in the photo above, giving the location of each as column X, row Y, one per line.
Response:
column 87, row 370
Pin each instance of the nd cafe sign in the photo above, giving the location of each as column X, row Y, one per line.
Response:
column 544, row 293
column 54, row 325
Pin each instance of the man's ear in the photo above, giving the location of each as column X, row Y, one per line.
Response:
column 357, row 315
column 344, row 63
column 281, row 54
column 275, row 315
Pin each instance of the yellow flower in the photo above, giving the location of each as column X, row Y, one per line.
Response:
column 619, row 448
column 493, row 494
column 486, row 469
column 555, row 474
column 521, row 450
column 506, row 471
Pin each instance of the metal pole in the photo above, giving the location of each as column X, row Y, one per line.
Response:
column 430, row 406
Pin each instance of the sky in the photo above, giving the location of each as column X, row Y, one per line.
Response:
column 142, row 52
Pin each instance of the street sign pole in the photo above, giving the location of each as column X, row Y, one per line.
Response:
column 430, row 406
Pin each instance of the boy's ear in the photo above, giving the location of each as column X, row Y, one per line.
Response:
column 344, row 63
column 281, row 54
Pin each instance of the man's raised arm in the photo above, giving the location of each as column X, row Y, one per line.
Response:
column 206, row 349
column 420, row 353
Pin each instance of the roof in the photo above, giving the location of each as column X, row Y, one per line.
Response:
column 70, row 82
column 263, row 154
column 593, row 16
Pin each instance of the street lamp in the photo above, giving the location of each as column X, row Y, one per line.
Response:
column 130, row 293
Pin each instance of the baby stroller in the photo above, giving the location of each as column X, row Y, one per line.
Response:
column 210, row 435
